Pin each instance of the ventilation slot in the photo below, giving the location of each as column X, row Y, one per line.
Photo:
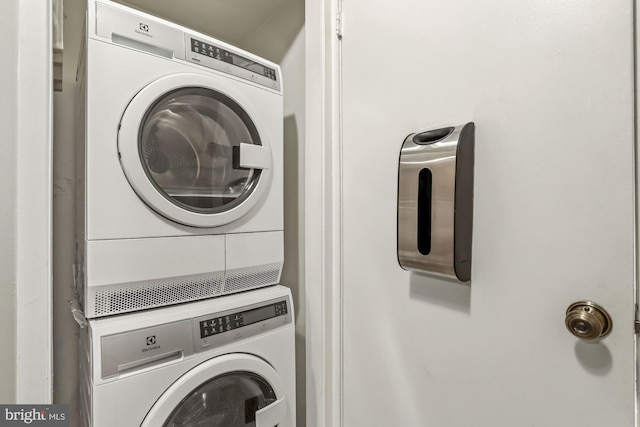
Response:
column 251, row 278
column 144, row 295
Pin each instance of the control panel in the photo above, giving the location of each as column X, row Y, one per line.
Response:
column 225, row 327
column 218, row 58
column 229, row 322
column 139, row 349
column 220, row 54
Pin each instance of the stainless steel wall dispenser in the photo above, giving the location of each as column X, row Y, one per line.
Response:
column 435, row 202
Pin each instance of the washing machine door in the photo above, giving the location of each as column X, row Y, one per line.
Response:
column 194, row 150
column 236, row 390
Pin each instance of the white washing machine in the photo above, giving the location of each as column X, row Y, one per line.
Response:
column 179, row 165
column 223, row 362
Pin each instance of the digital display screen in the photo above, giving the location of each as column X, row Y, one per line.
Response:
column 258, row 314
column 215, row 52
column 229, row 322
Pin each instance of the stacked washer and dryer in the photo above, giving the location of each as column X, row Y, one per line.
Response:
column 180, row 200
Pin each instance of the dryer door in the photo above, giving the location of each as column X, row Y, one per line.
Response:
column 193, row 149
column 236, row 390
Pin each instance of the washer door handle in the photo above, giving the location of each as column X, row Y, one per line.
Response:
column 254, row 156
column 272, row 415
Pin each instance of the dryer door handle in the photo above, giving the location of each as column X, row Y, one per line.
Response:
column 254, row 156
column 272, row 415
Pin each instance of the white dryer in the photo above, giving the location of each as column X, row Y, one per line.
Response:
column 224, row 362
column 179, row 164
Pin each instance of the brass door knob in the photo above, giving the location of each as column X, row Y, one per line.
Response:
column 587, row 320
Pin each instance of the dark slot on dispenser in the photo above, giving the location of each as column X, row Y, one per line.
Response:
column 424, row 212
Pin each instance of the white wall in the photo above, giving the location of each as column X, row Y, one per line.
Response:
column 25, row 232
column 8, row 161
column 293, row 272
column 322, row 249
column 33, row 207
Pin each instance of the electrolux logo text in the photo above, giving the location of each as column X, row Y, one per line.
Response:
column 152, row 344
column 143, row 30
column 39, row 415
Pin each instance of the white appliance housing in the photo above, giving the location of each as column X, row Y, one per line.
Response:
column 179, row 165
column 165, row 367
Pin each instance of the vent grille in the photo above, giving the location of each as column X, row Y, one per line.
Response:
column 251, row 278
column 144, row 295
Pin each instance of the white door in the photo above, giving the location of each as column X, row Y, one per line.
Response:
column 549, row 86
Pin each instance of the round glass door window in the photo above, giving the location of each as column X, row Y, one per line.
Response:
column 229, row 400
column 189, row 146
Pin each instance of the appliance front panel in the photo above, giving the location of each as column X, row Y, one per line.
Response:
column 129, row 275
column 126, row 399
column 113, row 208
